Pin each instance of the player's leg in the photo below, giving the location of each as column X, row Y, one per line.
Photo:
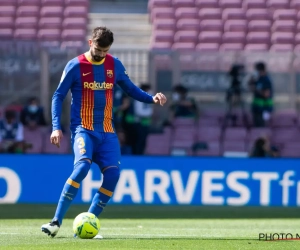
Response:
column 108, row 158
column 83, row 148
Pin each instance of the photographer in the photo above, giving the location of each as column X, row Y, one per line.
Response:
column 234, row 93
column 262, row 148
column 262, row 104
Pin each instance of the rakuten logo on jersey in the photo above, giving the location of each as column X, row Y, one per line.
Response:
column 98, row 86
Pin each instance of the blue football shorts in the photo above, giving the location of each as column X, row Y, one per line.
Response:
column 102, row 148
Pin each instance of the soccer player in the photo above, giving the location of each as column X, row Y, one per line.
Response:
column 91, row 78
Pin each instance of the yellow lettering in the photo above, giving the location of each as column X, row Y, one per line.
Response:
column 98, row 86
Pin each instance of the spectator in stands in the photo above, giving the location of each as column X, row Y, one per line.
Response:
column 137, row 122
column 33, row 114
column 261, row 86
column 262, row 148
column 11, row 133
column 182, row 105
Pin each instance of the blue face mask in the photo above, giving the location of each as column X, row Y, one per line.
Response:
column 33, row 108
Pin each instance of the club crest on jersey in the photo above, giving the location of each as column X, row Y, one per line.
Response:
column 110, row 73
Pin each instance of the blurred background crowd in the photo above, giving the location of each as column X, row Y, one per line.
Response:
column 230, row 70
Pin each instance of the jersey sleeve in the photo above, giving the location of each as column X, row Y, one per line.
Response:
column 60, row 94
column 128, row 86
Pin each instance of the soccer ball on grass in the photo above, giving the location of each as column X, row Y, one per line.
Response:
column 86, row 225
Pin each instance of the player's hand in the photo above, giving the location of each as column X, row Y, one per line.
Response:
column 160, row 98
column 55, row 137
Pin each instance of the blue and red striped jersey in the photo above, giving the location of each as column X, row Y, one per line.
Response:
column 92, row 85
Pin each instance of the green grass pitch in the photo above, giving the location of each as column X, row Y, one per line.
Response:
column 20, row 234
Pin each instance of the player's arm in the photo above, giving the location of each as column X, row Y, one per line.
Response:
column 57, row 101
column 132, row 90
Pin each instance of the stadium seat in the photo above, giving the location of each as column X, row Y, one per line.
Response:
column 259, row 25
column 283, row 38
column 254, row 4
column 28, row 11
column 290, row 14
column 52, row 11
column 163, row 36
column 73, row 35
column 50, row 22
column 29, row 2
column 8, row 2
column 210, row 13
column 283, row 135
column 35, row 138
column 186, row 12
column 210, row 37
column 25, row 34
column 255, row 133
column 213, row 149
column 160, row 45
column 235, row 134
column 74, row 23
column 207, row 4
column 72, row 45
column 26, row 22
column 183, row 3
column 164, row 24
column 234, row 14
column 208, row 133
column 208, row 121
column 256, row 47
column 52, row 3
column 295, row 4
column 207, row 47
column 277, row 4
column 234, row 146
column 162, row 148
column 6, row 34
column 285, row 118
column 290, row 149
column 183, row 46
column 232, row 47
column 234, row 37
column 77, row 3
column 258, row 14
column 258, row 37
column 284, row 26
column 77, row 11
column 49, row 35
column 211, row 25
column 235, row 25
column 186, row 36
column 7, row 22
column 282, row 47
column 162, row 13
column 7, row 11
column 188, row 25
column 159, row 3
column 230, row 4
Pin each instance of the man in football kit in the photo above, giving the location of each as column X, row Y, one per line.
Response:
column 91, row 78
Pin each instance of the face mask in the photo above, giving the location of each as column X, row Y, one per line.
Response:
column 32, row 108
column 175, row 97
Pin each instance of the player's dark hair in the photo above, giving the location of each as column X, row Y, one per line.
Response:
column 260, row 66
column 102, row 36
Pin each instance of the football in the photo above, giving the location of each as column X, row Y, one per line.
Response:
column 86, row 225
